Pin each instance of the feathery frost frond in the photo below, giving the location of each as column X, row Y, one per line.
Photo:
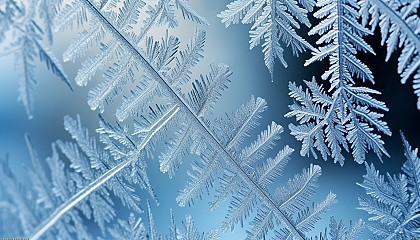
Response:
column 246, row 178
column 29, row 41
column 394, row 201
column 273, row 21
column 399, row 22
column 344, row 116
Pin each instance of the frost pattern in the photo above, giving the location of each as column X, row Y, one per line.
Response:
column 399, row 22
column 88, row 161
column 18, row 19
column 63, row 196
column 273, row 21
column 164, row 71
column 344, row 116
column 338, row 231
column 246, row 178
column 394, row 203
column 134, row 229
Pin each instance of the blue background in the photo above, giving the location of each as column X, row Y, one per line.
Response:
column 250, row 77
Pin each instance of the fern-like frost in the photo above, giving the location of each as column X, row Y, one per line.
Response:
column 343, row 117
column 29, row 41
column 399, row 23
column 273, row 22
column 394, row 201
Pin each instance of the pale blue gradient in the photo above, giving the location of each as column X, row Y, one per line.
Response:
column 250, row 77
